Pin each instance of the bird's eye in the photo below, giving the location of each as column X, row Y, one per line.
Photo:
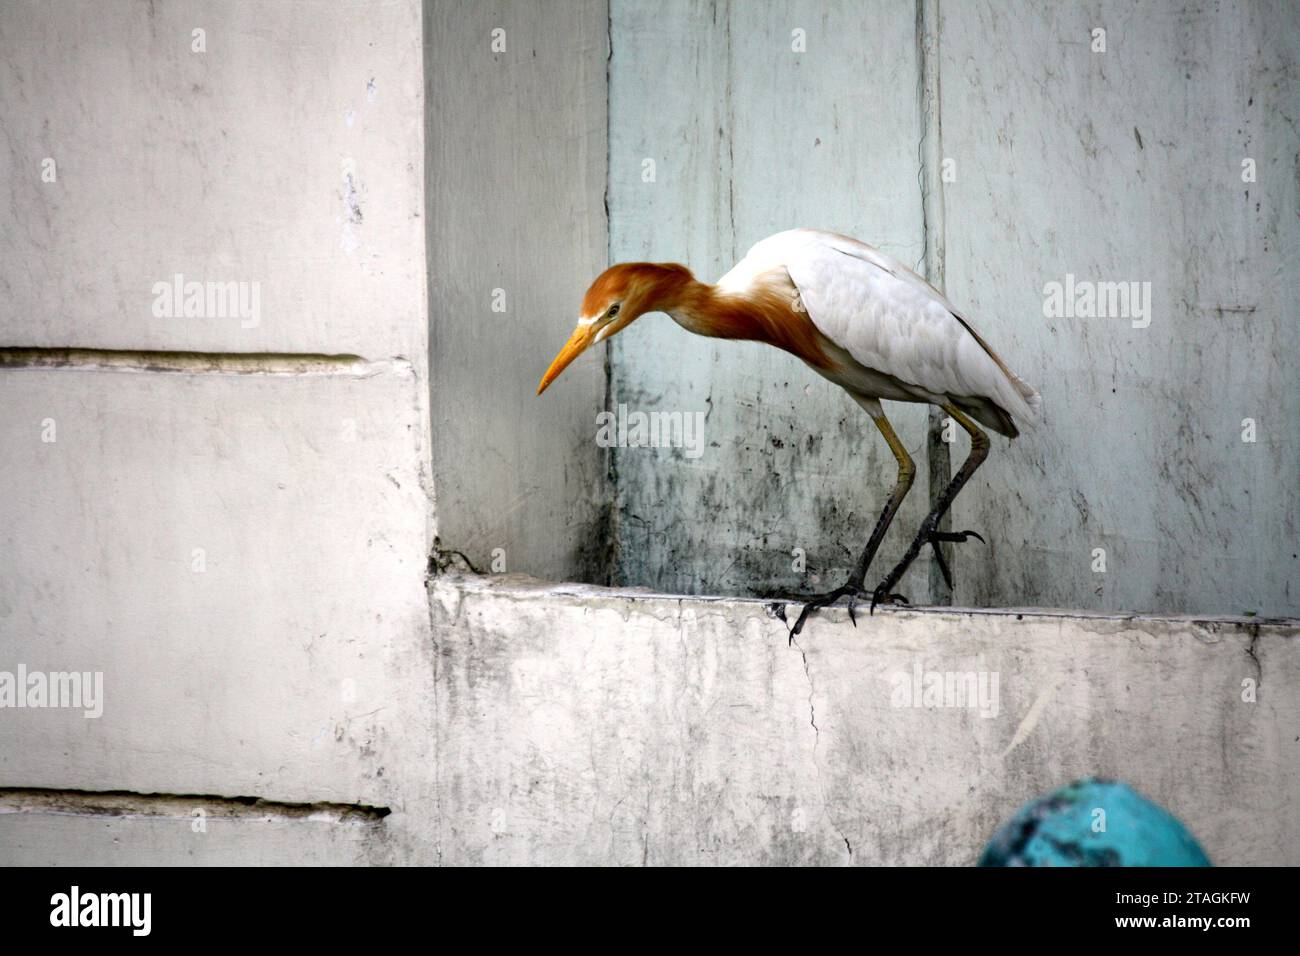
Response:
column 613, row 310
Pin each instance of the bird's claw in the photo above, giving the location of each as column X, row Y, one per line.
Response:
column 956, row 537
column 852, row 591
column 813, row 603
column 881, row 596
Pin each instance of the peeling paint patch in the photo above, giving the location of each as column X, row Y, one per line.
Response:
column 352, row 215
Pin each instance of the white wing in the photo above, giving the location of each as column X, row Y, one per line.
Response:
column 889, row 319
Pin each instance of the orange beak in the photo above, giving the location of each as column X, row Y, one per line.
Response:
column 581, row 338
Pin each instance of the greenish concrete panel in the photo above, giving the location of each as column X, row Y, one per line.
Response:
column 748, row 136
column 1122, row 166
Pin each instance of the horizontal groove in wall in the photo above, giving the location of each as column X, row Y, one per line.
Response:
column 125, row 803
column 233, row 363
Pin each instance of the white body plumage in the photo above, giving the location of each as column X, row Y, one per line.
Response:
column 893, row 335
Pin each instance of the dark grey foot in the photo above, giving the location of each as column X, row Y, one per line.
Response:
column 851, row 591
column 882, row 596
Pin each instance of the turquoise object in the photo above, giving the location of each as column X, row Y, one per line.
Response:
column 1093, row 823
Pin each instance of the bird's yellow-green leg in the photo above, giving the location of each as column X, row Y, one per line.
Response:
column 906, row 474
column 929, row 533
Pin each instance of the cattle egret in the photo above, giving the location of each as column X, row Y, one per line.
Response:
column 857, row 317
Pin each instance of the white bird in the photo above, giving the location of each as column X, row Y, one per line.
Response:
column 857, row 317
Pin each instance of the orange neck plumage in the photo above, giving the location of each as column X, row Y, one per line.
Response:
column 768, row 311
column 763, row 313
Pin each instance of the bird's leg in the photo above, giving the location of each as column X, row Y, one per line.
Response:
column 855, row 586
column 906, row 473
column 979, row 450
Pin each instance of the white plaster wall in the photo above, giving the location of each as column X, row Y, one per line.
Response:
column 86, row 840
column 581, row 725
column 244, row 572
column 525, row 723
column 229, row 522
column 625, row 728
column 228, row 165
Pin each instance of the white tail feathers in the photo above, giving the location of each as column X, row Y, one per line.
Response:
column 1022, row 400
column 1031, row 401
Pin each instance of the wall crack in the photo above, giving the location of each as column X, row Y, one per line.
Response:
column 817, row 736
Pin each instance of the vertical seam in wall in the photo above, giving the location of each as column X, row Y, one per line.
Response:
column 611, row 573
column 731, row 139
column 426, row 80
column 430, row 281
column 930, row 150
column 426, row 422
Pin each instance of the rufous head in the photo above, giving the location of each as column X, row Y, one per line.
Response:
column 620, row 295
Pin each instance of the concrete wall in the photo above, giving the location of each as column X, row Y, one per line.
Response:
column 582, row 725
column 292, row 164
column 1115, row 166
column 749, row 137
column 986, row 143
column 228, row 520
column 516, row 184
column 609, row 727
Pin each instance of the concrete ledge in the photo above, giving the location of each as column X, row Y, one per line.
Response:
column 585, row 725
